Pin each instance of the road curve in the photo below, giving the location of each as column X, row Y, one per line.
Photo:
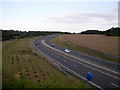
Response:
column 106, row 74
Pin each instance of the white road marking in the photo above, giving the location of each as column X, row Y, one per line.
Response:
column 81, row 59
column 74, row 65
column 72, row 71
column 100, row 62
column 76, row 73
column 95, row 69
column 64, row 60
column 84, row 64
column 115, row 85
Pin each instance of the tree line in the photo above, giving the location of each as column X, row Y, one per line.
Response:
column 110, row 32
column 12, row 34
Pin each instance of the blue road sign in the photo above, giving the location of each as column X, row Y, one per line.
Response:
column 90, row 76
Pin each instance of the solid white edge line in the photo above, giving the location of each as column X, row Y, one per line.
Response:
column 115, row 85
column 93, row 68
column 80, row 59
column 73, row 71
column 81, row 63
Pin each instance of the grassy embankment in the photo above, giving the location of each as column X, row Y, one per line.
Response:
column 67, row 44
column 23, row 69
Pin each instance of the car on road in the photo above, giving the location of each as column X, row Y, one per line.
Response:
column 67, row 50
column 64, row 48
column 52, row 45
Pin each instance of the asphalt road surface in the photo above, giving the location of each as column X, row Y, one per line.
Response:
column 106, row 73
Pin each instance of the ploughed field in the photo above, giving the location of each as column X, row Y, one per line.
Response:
column 101, row 43
column 21, row 68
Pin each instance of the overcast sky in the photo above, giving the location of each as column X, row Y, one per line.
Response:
column 58, row 16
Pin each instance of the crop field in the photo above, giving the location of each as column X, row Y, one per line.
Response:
column 97, row 42
column 21, row 68
column 94, row 45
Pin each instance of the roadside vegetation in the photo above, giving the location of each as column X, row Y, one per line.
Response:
column 13, row 34
column 21, row 68
column 82, row 49
column 110, row 32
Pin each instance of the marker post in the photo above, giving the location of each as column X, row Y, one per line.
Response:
column 89, row 77
column 87, row 83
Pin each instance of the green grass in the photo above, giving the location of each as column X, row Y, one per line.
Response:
column 64, row 43
column 18, row 61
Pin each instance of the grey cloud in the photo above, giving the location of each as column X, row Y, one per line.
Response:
column 105, row 16
column 85, row 18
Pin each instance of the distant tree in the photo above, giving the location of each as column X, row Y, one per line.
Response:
column 110, row 32
column 11, row 34
column 73, row 32
column 113, row 32
column 92, row 32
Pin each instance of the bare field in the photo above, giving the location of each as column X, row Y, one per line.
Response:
column 101, row 43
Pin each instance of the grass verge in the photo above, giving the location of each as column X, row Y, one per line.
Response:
column 65, row 43
column 23, row 69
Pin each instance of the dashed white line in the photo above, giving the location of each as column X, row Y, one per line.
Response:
column 100, row 62
column 81, row 59
column 78, row 74
column 114, row 85
column 73, row 72
column 64, row 60
column 82, row 63
column 74, row 65
column 57, row 56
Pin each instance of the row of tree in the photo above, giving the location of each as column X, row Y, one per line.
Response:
column 11, row 34
column 110, row 32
